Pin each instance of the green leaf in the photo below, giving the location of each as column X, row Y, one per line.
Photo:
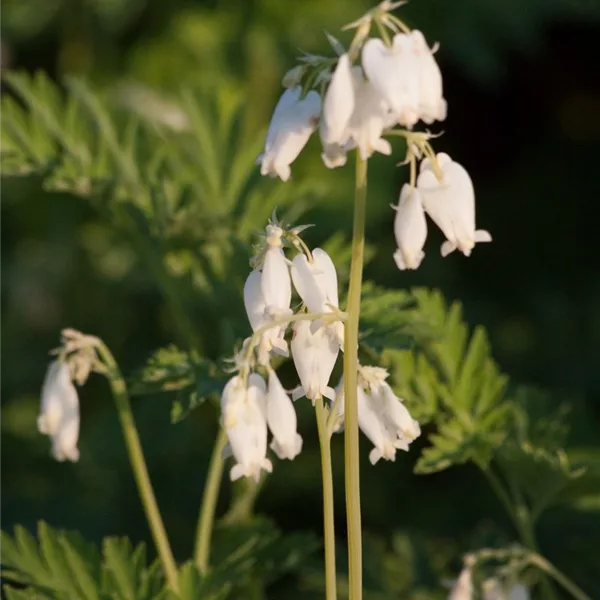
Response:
column 62, row 562
column 126, row 574
column 449, row 379
column 170, row 369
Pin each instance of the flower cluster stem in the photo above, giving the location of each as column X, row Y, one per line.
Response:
column 209, row 504
column 548, row 568
column 138, row 465
column 328, row 507
column 351, row 444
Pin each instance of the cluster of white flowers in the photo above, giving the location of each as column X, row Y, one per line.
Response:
column 251, row 406
column 492, row 588
column 59, row 409
column 382, row 416
column 395, row 82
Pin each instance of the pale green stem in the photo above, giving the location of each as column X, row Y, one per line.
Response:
column 138, row 464
column 559, row 577
column 328, row 508
column 351, row 448
column 209, row 504
column 520, row 517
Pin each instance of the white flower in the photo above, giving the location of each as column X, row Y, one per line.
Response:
column 410, row 229
column 432, row 106
column 369, row 118
column 59, row 414
column 381, row 415
column 259, row 312
column 493, row 589
column 394, row 74
column 393, row 413
column 338, row 106
column 314, row 355
column 451, row 204
column 243, row 408
column 316, row 281
column 463, row 586
column 276, row 285
column 291, row 126
column 281, row 419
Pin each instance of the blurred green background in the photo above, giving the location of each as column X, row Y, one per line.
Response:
column 521, row 82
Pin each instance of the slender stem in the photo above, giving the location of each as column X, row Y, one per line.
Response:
column 138, row 464
column 209, row 504
column 519, row 515
column 351, row 454
column 502, row 494
column 559, row 577
column 328, row 510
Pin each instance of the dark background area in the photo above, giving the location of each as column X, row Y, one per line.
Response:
column 521, row 80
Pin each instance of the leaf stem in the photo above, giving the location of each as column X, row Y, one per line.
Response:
column 328, row 507
column 138, row 464
column 547, row 567
column 208, row 507
column 351, row 443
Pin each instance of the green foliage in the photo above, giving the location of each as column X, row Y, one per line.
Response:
column 451, row 380
column 61, row 565
column 180, row 184
column 533, row 460
column 192, row 378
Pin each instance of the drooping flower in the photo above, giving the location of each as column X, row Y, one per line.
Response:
column 432, row 105
column 451, row 204
column 338, row 106
column 369, row 421
column 282, row 421
column 316, row 281
column 314, row 355
column 293, row 121
column 243, row 410
column 393, row 72
column 494, row 589
column 394, row 415
column 410, row 229
column 276, row 285
column 59, row 413
column 463, row 586
column 381, row 415
column 370, row 117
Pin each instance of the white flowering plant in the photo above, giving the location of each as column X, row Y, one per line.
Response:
column 399, row 366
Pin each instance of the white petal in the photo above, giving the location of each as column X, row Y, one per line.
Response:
column 276, row 285
column 247, row 428
column 451, row 204
column 338, row 104
column 314, row 356
column 370, row 117
column 463, row 588
column 394, row 74
column 402, row 422
column 326, row 275
column 281, row 419
column 59, row 414
column 306, row 285
column 410, row 229
column 254, row 300
column 432, row 106
column 291, row 126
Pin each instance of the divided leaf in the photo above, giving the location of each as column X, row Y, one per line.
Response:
column 64, row 566
column 170, row 369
